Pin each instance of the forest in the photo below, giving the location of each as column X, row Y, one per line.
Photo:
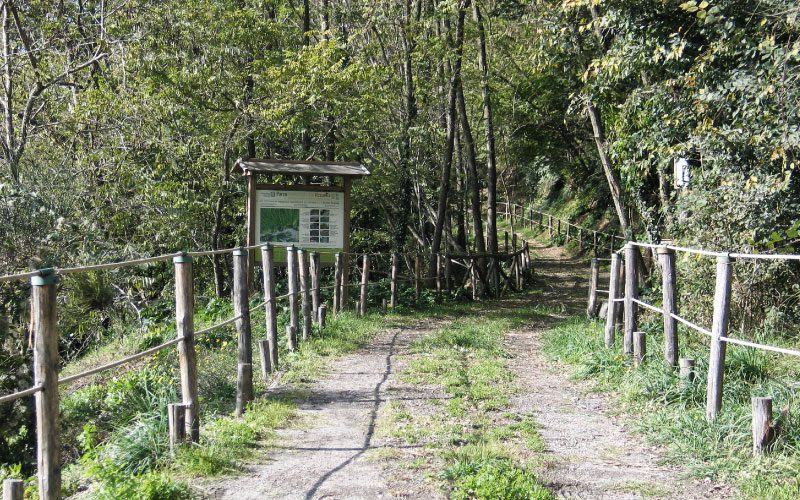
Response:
column 122, row 121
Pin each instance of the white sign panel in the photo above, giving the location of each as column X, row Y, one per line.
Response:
column 682, row 173
column 311, row 219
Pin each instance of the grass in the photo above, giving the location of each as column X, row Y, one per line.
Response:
column 478, row 448
column 115, row 430
column 672, row 414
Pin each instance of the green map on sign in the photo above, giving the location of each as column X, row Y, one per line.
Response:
column 280, row 225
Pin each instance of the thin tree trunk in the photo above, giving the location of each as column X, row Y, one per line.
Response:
column 612, row 176
column 447, row 160
column 473, row 184
column 491, row 156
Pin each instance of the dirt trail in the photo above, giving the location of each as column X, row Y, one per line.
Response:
column 333, row 452
column 327, row 455
column 588, row 452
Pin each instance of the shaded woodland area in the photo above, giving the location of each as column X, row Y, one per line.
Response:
column 122, row 120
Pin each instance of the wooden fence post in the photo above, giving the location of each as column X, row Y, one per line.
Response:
column 305, row 292
column 13, row 489
column 591, row 308
column 631, row 293
column 294, row 322
column 558, row 229
column 176, row 418
column 418, row 277
column 639, row 348
column 362, row 303
column 566, row 236
column 268, row 264
column 506, row 240
column 315, row 291
column 614, row 283
column 345, row 300
column 44, row 325
column 666, row 257
column 550, row 227
column 322, row 312
column 580, row 240
column 438, row 278
column 264, row 356
column 448, row 275
column 241, row 309
column 187, row 358
column 393, row 284
column 719, row 328
column 764, row 432
column 337, row 284
column 686, row 371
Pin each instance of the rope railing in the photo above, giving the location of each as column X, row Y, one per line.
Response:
column 627, row 294
column 556, row 218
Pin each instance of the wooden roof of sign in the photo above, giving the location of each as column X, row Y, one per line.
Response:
column 288, row 167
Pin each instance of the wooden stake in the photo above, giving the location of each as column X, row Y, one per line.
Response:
column 294, row 309
column 291, row 335
column 315, row 290
column 666, row 258
column 719, row 328
column 393, row 285
column 266, row 363
column 438, row 278
column 241, row 308
column 614, row 283
column 187, row 358
column 44, row 327
column 269, row 308
column 506, row 239
column 448, row 273
column 686, row 371
column 362, row 303
column 594, row 275
column 580, row 240
column 631, row 292
column 418, row 277
column 639, row 348
column 305, row 292
column 337, row 286
column 764, row 432
column 13, row 489
column 176, row 417
column 322, row 312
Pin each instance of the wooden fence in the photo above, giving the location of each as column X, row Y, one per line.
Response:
column 627, row 294
column 623, row 288
column 561, row 230
column 305, row 307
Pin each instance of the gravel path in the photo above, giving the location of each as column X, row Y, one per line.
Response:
column 588, row 453
column 329, row 453
column 334, row 451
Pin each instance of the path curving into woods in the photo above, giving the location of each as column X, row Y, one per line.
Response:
column 335, row 452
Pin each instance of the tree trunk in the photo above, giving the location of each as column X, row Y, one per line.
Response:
column 473, row 184
column 491, row 157
column 612, row 176
column 447, row 160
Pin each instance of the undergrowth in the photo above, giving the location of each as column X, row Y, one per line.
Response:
column 115, row 428
column 671, row 412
